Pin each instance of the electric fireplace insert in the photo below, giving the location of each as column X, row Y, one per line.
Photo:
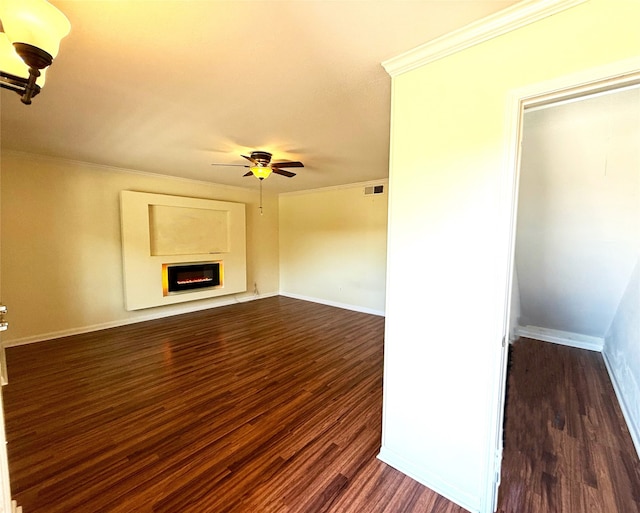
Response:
column 185, row 277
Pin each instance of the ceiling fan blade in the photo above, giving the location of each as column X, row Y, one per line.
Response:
column 282, row 172
column 287, row 163
column 249, row 159
column 248, row 174
column 234, row 165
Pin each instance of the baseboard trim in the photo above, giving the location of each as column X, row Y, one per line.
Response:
column 431, row 481
column 633, row 429
column 565, row 338
column 125, row 322
column 161, row 315
column 355, row 308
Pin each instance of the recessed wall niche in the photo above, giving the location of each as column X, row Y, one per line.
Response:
column 160, row 230
column 184, row 230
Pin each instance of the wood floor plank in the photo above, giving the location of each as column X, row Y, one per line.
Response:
column 274, row 406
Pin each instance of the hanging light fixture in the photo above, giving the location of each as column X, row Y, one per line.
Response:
column 261, row 171
column 30, row 39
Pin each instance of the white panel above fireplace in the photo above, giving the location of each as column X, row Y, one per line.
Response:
column 184, row 231
column 160, row 230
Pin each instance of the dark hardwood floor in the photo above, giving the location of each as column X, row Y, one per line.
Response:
column 267, row 406
column 567, row 448
column 275, row 406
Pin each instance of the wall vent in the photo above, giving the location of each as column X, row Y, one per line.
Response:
column 374, row 189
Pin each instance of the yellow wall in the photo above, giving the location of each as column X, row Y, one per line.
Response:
column 447, row 231
column 61, row 247
column 333, row 247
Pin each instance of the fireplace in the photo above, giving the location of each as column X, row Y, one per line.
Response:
column 187, row 277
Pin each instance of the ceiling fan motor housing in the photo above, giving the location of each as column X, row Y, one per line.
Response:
column 261, row 157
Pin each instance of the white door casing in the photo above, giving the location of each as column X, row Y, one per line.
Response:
column 603, row 79
column 5, row 487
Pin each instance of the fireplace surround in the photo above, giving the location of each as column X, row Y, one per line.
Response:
column 160, row 232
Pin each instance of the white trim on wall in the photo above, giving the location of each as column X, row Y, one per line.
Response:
column 125, row 322
column 564, row 338
column 194, row 308
column 506, row 20
column 634, row 430
column 114, row 169
column 344, row 306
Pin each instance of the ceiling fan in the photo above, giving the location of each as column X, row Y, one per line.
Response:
column 261, row 166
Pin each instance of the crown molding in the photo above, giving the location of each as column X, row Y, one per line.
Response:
column 512, row 18
column 113, row 169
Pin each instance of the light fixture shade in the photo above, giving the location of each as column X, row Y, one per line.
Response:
column 34, row 22
column 11, row 63
column 260, row 171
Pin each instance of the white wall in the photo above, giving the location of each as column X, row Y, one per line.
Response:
column 61, row 244
column 448, row 227
column 579, row 212
column 333, row 247
column 62, row 255
column 579, row 231
column 622, row 354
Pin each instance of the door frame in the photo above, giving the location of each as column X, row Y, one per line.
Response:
column 5, row 481
column 617, row 75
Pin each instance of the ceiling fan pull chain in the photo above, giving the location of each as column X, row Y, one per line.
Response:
column 260, row 196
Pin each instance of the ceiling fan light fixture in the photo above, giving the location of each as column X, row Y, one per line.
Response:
column 260, row 172
column 261, row 166
column 33, row 30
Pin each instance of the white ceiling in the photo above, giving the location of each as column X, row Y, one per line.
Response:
column 171, row 86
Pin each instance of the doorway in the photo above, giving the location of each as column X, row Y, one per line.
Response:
column 578, row 221
column 578, row 218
